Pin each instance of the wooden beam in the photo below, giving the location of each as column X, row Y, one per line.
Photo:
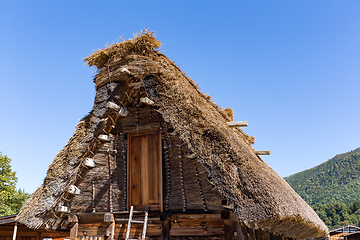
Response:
column 75, row 228
column 10, row 220
column 245, row 232
column 237, row 124
column 200, row 231
column 22, row 231
column 166, row 228
column 110, row 229
column 262, row 152
column 38, row 236
column 228, row 229
column 240, row 235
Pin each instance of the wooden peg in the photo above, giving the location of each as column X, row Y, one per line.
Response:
column 262, row 152
column 237, row 124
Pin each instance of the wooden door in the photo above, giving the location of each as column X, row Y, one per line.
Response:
column 145, row 170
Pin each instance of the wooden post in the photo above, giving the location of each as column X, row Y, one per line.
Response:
column 245, row 232
column 252, row 234
column 15, row 231
column 228, row 224
column 75, row 227
column 239, row 232
column 110, row 230
column 38, row 236
column 267, row 235
column 166, row 228
column 228, row 229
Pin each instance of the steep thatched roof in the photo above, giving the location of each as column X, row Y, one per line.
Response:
column 261, row 197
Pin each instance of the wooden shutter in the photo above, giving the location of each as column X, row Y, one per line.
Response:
column 145, row 170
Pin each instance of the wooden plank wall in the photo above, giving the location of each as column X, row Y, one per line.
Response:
column 181, row 225
column 196, row 225
column 25, row 233
column 98, row 230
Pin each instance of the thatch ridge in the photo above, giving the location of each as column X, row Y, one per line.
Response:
column 142, row 43
column 262, row 198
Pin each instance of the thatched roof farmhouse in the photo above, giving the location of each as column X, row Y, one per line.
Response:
column 153, row 139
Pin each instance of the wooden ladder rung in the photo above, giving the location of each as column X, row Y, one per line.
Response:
column 136, row 221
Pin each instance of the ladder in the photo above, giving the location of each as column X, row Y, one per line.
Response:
column 136, row 221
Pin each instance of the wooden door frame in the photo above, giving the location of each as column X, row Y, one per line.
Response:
column 128, row 187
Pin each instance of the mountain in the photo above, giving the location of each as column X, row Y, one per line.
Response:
column 336, row 180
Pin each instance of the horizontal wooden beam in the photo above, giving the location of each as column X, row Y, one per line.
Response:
column 9, row 220
column 262, row 152
column 237, row 124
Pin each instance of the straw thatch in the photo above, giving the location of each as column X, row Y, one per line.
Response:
column 261, row 197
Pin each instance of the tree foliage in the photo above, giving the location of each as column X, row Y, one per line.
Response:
column 336, row 214
column 7, row 176
column 337, row 180
column 11, row 199
column 333, row 189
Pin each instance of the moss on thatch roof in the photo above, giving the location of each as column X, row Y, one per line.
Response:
column 261, row 197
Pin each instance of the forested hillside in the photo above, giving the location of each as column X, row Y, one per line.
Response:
column 339, row 214
column 337, row 180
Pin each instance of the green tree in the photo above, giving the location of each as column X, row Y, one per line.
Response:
column 11, row 200
column 8, row 178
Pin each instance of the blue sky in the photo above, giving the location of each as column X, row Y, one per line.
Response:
column 289, row 68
